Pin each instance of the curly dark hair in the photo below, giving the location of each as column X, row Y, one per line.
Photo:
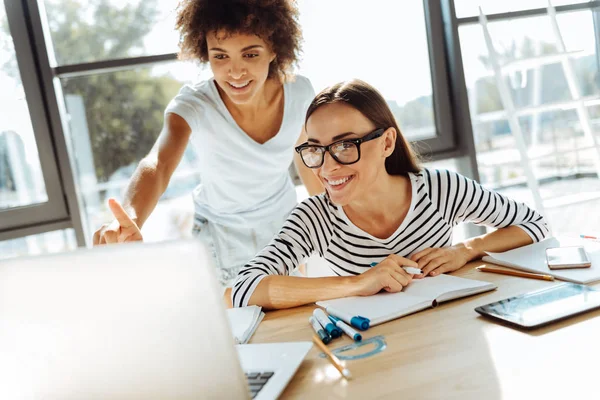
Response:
column 274, row 21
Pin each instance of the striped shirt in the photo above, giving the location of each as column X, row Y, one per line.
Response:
column 440, row 200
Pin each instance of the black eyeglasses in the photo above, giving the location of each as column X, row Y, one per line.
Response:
column 345, row 151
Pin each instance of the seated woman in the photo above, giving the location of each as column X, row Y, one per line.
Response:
column 380, row 207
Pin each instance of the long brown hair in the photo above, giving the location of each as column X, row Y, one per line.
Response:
column 366, row 99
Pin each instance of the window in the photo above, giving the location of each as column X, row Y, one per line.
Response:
column 21, row 181
column 44, row 243
column 86, row 31
column 386, row 45
column 28, row 190
column 468, row 8
column 114, row 119
column 562, row 156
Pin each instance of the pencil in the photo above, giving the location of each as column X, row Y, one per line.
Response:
column 516, row 273
column 334, row 360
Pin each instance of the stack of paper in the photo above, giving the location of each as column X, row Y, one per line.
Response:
column 244, row 321
column 532, row 258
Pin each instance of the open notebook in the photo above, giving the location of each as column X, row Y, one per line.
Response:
column 532, row 258
column 419, row 295
column 244, row 321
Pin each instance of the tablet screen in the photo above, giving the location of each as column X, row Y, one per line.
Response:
column 542, row 306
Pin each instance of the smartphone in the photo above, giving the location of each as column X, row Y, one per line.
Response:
column 567, row 257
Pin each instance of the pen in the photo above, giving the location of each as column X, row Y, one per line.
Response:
column 334, row 360
column 347, row 329
column 409, row 270
column 325, row 337
column 588, row 237
column 356, row 321
column 516, row 273
column 333, row 330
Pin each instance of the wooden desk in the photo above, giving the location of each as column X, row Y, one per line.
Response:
column 450, row 352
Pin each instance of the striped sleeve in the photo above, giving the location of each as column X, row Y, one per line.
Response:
column 306, row 231
column 460, row 199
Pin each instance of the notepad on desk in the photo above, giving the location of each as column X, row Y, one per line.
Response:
column 532, row 258
column 244, row 321
column 419, row 295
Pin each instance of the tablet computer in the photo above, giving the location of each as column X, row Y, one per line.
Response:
column 541, row 307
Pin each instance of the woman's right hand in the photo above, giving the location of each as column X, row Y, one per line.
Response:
column 122, row 229
column 387, row 275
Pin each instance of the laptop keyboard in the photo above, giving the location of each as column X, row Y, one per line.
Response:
column 256, row 381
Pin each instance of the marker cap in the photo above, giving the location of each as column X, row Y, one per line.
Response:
column 333, row 330
column 325, row 337
column 361, row 323
column 339, row 331
column 357, row 337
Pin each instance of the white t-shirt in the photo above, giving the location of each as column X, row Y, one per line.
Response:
column 246, row 191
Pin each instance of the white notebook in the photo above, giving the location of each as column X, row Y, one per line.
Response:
column 244, row 321
column 419, row 295
column 532, row 258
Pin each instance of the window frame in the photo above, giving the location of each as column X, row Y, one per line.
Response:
column 445, row 139
column 54, row 212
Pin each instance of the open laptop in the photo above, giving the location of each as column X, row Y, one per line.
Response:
column 135, row 321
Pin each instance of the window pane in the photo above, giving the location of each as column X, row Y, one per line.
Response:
column 384, row 44
column 469, row 8
column 21, row 180
column 85, row 31
column 50, row 242
column 115, row 119
column 562, row 155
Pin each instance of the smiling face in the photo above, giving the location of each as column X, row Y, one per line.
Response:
column 240, row 64
column 348, row 183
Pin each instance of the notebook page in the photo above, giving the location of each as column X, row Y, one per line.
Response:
column 446, row 287
column 417, row 296
column 380, row 307
column 532, row 258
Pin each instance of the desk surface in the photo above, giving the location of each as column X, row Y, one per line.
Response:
column 450, row 352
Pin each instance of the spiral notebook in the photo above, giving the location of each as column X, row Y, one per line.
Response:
column 419, row 295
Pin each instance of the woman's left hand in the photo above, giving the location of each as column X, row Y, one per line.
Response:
column 437, row 261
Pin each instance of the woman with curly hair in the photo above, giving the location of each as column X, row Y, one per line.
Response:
column 243, row 123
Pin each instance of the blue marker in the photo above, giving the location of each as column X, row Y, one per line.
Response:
column 356, row 321
column 325, row 337
column 357, row 337
column 409, row 270
column 333, row 330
